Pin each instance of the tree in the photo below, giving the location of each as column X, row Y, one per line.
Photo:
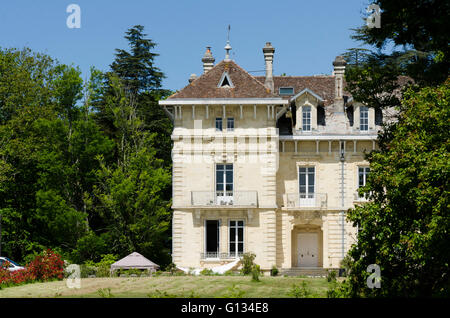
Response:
column 405, row 228
column 132, row 192
column 142, row 80
column 419, row 26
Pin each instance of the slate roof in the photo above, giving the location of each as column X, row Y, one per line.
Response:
column 244, row 84
column 322, row 85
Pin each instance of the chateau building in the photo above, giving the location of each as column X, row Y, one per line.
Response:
column 266, row 164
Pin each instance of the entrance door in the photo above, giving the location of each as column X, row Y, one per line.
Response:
column 307, row 249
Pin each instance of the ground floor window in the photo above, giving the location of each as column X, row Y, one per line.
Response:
column 236, row 242
column 212, row 238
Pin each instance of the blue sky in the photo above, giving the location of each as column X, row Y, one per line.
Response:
column 307, row 35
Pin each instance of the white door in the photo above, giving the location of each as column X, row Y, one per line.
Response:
column 307, row 249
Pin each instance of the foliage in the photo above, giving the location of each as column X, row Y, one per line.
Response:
column 247, row 263
column 404, row 229
column 302, row 291
column 331, row 276
column 274, row 271
column 256, row 272
column 206, row 272
column 419, row 26
column 234, row 292
column 105, row 293
column 72, row 150
column 44, row 267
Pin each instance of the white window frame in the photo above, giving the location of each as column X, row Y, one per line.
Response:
column 308, row 198
column 227, row 195
column 230, row 120
column 306, row 118
column 236, row 239
column 219, row 120
column 365, row 172
column 364, row 120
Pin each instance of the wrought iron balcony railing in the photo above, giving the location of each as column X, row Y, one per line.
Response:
column 306, row 200
column 224, row 198
column 360, row 198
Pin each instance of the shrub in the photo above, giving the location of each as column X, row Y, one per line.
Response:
column 274, row 271
column 234, row 292
column 206, row 272
column 256, row 271
column 300, row 291
column 46, row 266
column 247, row 263
column 331, row 276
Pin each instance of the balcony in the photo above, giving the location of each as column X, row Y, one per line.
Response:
column 306, row 200
column 224, row 198
column 360, row 198
column 220, row 256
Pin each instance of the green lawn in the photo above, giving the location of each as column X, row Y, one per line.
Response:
column 175, row 286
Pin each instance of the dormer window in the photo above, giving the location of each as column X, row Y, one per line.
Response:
column 306, row 118
column 225, row 81
column 364, row 118
column 285, row 91
column 218, row 124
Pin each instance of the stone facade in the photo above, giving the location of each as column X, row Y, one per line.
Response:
column 276, row 178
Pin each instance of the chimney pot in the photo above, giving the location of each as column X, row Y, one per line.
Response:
column 208, row 60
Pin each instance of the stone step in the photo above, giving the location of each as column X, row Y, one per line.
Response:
column 304, row 271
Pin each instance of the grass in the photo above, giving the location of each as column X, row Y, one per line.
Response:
column 176, row 286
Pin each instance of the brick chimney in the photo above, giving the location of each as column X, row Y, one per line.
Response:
column 268, row 51
column 208, row 60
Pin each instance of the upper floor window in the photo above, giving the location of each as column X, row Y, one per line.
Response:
column 363, row 118
column 224, row 183
column 230, row 124
column 363, row 172
column 306, row 118
column 218, row 124
column 286, row 91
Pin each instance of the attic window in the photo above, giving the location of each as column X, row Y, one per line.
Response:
column 225, row 81
column 286, row 90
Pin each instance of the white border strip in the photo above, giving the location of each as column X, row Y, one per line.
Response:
column 224, row 101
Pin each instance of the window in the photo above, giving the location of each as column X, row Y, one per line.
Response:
column 364, row 118
column 212, row 238
column 224, row 184
column 236, row 242
column 306, row 118
column 306, row 182
column 230, row 124
column 225, row 81
column 363, row 172
column 286, row 91
column 218, row 124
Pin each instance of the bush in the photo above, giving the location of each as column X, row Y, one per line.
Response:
column 256, row 271
column 247, row 263
column 44, row 267
column 274, row 271
column 207, row 272
column 300, row 291
column 331, row 276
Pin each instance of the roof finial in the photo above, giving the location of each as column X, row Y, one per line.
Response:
column 228, row 46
